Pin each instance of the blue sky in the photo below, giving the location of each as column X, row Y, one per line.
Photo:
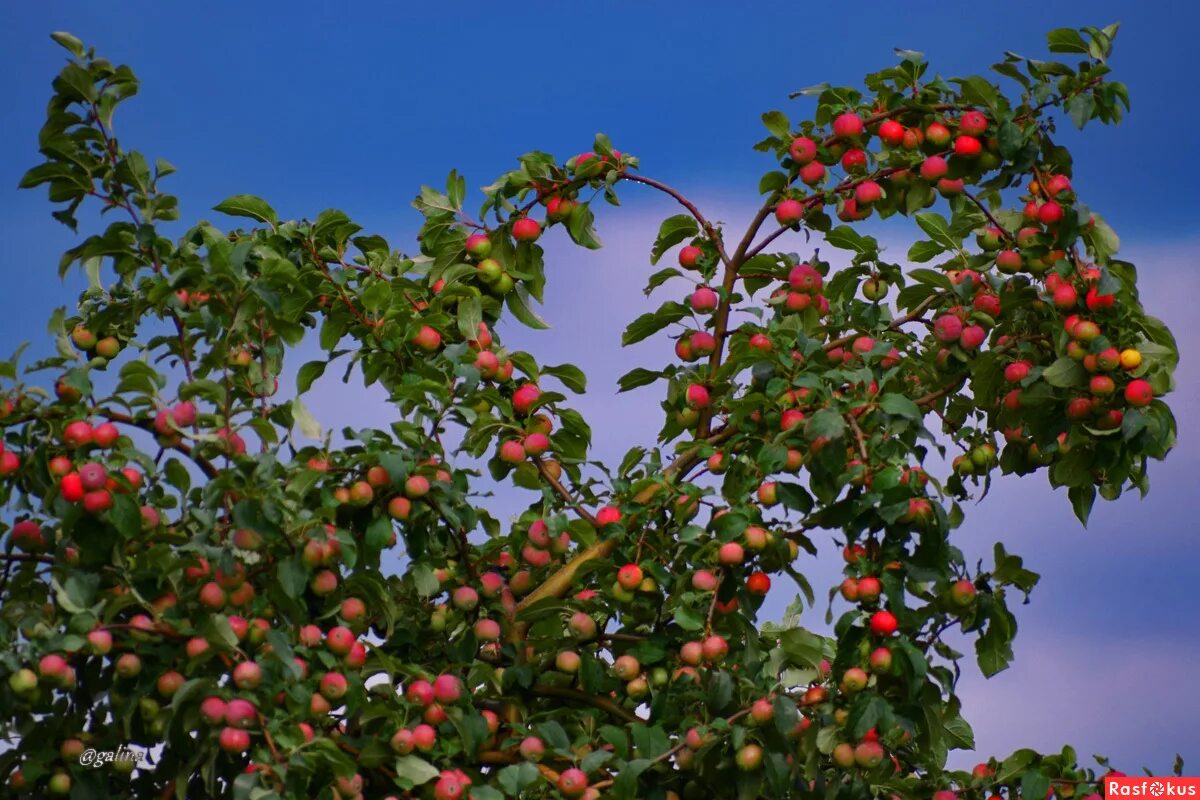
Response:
column 312, row 106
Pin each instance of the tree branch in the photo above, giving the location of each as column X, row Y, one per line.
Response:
column 595, row 701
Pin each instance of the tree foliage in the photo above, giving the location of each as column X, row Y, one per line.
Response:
column 186, row 571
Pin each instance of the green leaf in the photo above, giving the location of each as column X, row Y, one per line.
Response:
column 414, row 771
column 580, row 228
column 938, row 229
column 672, row 231
column 554, row 735
column 247, row 205
column 654, row 321
column 1034, row 784
column 777, row 123
column 900, row 406
column 846, row 238
column 802, row 647
column 517, row 778
column 378, row 296
column 1065, row 372
column 470, row 314
column 637, row 377
column 720, row 691
column 825, row 422
column 305, row 421
column 866, row 713
column 959, row 735
column 1064, row 40
column 689, row 618
column 69, row 42
column 309, row 373
column 571, row 376
column 1082, row 498
column 518, row 303
column 924, row 250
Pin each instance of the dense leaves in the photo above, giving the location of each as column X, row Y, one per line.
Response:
column 196, row 566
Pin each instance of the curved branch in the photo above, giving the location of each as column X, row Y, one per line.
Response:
column 911, row 316
column 595, row 701
column 707, row 226
column 563, row 492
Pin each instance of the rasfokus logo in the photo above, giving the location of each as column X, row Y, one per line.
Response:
column 1149, row 787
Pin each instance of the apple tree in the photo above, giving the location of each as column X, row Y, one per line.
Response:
column 193, row 568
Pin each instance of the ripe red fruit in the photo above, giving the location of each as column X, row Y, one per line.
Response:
column 972, row 123
column 416, row 486
column 972, row 337
column 333, row 686
column 448, row 787
column 424, row 737
column 27, row 535
column 526, row 230
column 1139, row 393
column 804, row 278
column 234, row 740
column 1050, row 213
column 1096, row 301
column 812, row 173
column 697, row 396
column 891, row 132
column 704, row 581
column 947, row 328
column 789, row 212
column 967, row 146
column 97, row 501
column 715, row 648
column 854, row 161
column 525, row 397
column 1065, row 297
column 761, row 711
column 1058, row 185
column 962, row 593
column 704, row 300
column 582, row 626
column 427, row 339
column 758, row 583
column 213, row 710
column 938, row 134
column 105, row 434
column 867, row 192
column 868, row 755
column 934, row 168
column 511, row 452
column 1016, row 371
column 731, row 554
column 447, row 689
column 689, row 256
column 247, row 675
column 802, row 150
column 609, row 515
column 573, row 782
column 883, row 623
column 78, row 434
column 869, row 589
column 848, row 125
column 169, row 682
column 531, row 748
column 630, row 577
